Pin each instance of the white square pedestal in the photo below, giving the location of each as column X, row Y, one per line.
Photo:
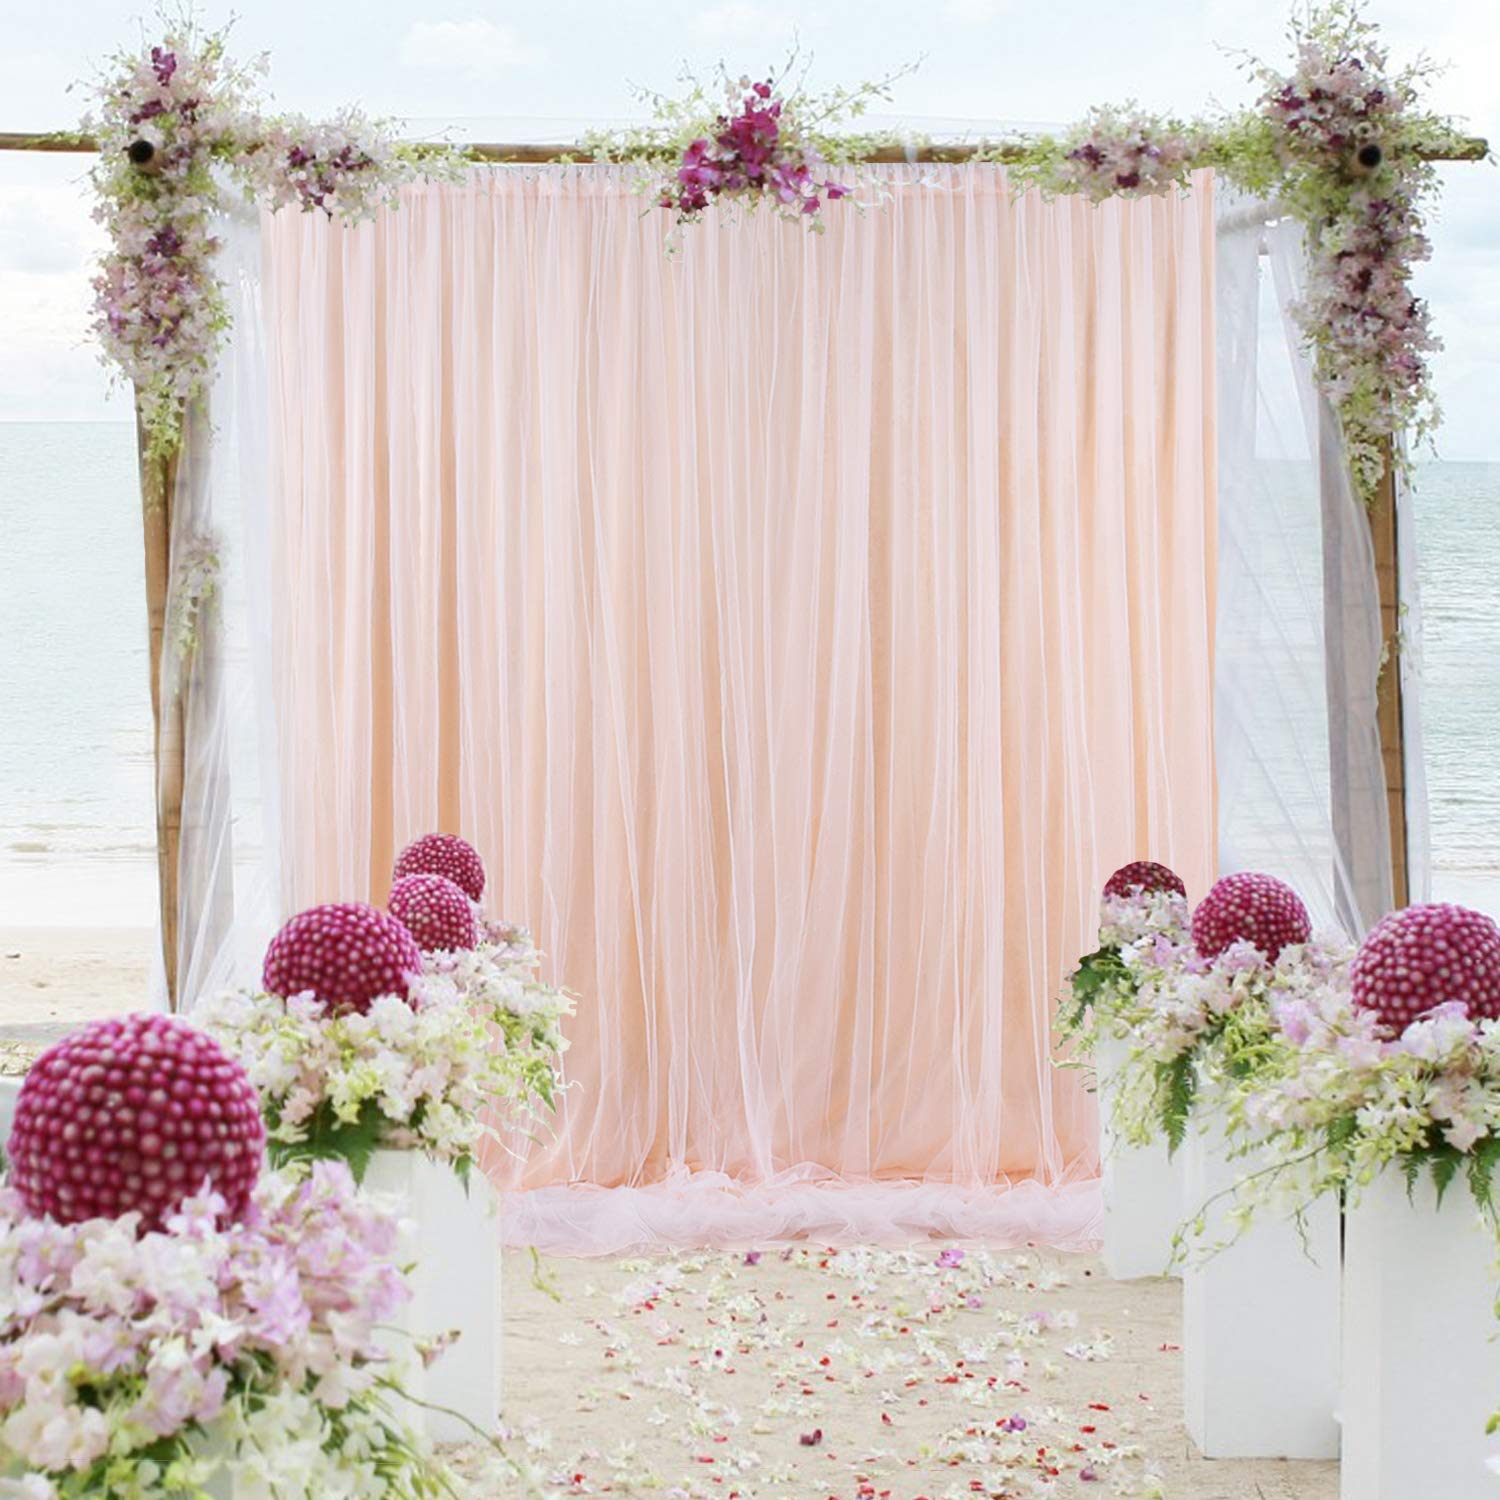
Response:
column 455, row 1285
column 10, row 1089
column 1421, row 1364
column 1260, row 1326
column 1141, row 1186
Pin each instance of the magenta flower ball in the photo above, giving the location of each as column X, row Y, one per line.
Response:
column 443, row 854
column 135, row 1113
column 435, row 912
column 1257, row 909
column 1143, row 875
column 346, row 954
column 1422, row 956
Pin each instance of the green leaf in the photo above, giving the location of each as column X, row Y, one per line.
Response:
column 331, row 1139
column 1445, row 1165
column 1176, row 1090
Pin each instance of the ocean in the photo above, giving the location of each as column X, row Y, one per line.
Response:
column 76, row 841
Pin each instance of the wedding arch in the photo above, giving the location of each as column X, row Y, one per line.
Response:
column 1178, row 236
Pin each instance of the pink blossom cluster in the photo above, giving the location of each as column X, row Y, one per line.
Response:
column 116, row 1341
column 755, row 153
column 158, row 308
column 173, row 122
column 1340, row 121
column 1332, row 103
column 1119, row 152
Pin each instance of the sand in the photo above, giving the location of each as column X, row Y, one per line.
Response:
column 599, row 1371
column 611, row 1365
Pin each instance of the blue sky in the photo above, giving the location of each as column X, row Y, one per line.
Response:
column 493, row 69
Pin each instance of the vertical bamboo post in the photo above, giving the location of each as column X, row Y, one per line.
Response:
column 1384, row 533
column 158, row 482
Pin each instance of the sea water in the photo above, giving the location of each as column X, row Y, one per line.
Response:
column 76, row 827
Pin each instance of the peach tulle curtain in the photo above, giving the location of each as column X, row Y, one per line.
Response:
column 801, row 626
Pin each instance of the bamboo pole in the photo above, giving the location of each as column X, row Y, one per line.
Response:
column 158, row 484
column 1470, row 148
column 1390, row 711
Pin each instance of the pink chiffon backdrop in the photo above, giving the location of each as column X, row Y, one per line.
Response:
column 801, row 626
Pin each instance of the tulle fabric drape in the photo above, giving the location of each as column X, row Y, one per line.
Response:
column 801, row 626
column 1300, row 644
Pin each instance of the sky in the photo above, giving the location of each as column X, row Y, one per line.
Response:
column 499, row 70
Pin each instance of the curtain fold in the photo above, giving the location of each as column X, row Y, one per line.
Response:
column 802, row 626
column 1300, row 649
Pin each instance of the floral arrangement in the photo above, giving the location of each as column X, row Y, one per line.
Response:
column 1114, row 151
column 167, row 1311
column 1142, row 903
column 1201, row 1024
column 1345, row 150
column 360, row 1039
column 476, row 1031
column 1363, row 1076
column 178, row 135
column 142, row 1364
column 1192, row 998
column 757, row 141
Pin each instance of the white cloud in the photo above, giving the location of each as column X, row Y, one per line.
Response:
column 479, row 48
column 736, row 20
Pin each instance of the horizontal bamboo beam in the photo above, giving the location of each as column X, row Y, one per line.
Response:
column 1471, row 148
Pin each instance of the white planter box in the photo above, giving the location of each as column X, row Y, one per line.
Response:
column 1421, row 1365
column 10, row 1089
column 1141, row 1187
column 455, row 1284
column 1260, row 1327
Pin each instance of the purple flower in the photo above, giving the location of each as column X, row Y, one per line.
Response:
column 950, row 1258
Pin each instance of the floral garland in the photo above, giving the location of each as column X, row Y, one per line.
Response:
column 479, row 1032
column 751, row 141
column 1113, row 152
column 1349, row 138
column 177, row 135
column 142, row 1365
column 1339, row 139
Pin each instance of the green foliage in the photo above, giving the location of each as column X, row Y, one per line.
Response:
column 327, row 1137
column 1176, row 1091
column 1097, row 973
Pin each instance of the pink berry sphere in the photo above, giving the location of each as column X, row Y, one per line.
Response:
column 1258, row 909
column 134, row 1113
column 347, row 954
column 1421, row 956
column 435, row 912
column 443, row 854
column 1143, row 875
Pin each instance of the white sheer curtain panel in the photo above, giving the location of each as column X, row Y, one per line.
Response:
column 1298, row 647
column 217, row 653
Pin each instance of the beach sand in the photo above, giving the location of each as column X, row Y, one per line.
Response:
column 566, row 1355
column 52, row 978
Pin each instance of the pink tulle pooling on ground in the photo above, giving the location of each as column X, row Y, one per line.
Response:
column 712, row 1209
